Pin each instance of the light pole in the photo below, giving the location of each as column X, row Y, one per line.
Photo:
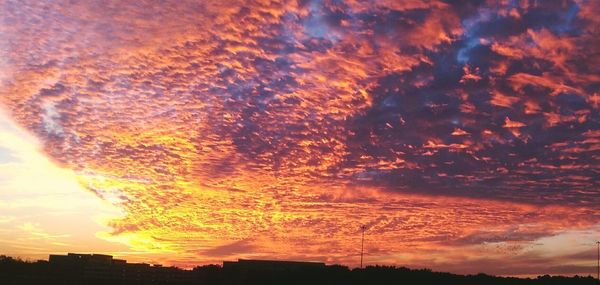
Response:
column 598, row 243
column 362, row 244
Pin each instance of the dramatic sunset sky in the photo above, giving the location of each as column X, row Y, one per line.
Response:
column 465, row 135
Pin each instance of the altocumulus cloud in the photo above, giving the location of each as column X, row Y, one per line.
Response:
column 434, row 122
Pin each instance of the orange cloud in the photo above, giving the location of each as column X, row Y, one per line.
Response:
column 273, row 129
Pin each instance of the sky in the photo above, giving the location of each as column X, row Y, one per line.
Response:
column 465, row 135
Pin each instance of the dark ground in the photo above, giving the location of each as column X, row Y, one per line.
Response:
column 14, row 271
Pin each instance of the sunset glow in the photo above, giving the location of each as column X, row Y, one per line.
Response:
column 466, row 137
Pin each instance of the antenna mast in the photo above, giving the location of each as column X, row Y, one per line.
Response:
column 598, row 243
column 362, row 243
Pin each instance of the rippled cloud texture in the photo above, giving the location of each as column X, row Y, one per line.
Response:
column 460, row 132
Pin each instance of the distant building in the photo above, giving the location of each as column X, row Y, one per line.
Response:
column 104, row 267
column 75, row 268
column 272, row 265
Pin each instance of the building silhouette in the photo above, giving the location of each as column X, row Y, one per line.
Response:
column 92, row 269
column 105, row 268
column 275, row 265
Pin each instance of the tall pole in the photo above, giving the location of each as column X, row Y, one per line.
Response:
column 362, row 244
column 598, row 268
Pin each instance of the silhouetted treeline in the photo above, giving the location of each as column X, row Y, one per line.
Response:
column 15, row 271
